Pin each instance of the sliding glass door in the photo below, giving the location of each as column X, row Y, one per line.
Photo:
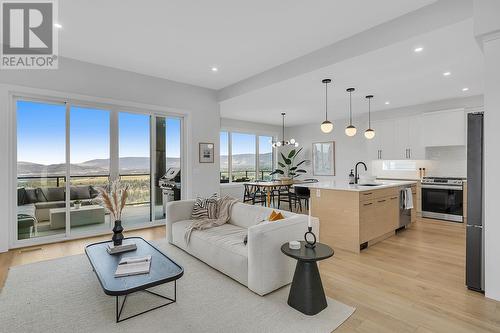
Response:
column 67, row 151
column 89, row 168
column 168, row 157
column 41, row 169
column 135, row 166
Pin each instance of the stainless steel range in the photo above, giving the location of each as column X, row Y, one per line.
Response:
column 443, row 198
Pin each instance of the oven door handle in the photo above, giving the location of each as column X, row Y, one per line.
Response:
column 443, row 187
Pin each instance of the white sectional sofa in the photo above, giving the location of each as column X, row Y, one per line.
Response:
column 259, row 264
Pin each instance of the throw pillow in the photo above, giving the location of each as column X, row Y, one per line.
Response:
column 205, row 208
column 30, row 196
column 40, row 196
column 21, row 196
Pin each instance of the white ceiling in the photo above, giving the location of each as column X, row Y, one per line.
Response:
column 395, row 74
column 182, row 39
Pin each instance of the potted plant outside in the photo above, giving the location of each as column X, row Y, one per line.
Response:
column 77, row 204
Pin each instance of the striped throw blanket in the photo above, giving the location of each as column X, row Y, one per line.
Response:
column 218, row 214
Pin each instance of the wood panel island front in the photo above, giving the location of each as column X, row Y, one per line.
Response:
column 353, row 217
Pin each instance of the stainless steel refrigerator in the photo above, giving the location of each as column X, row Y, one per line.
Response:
column 474, row 270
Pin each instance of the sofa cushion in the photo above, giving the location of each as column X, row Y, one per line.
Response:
column 221, row 247
column 50, row 204
column 80, row 192
column 54, row 193
column 30, row 196
column 28, row 209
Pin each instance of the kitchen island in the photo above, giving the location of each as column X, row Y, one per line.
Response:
column 353, row 217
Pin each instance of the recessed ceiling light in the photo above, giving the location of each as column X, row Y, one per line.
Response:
column 214, row 69
column 465, row 89
column 57, row 25
column 446, row 73
column 387, row 103
column 418, row 49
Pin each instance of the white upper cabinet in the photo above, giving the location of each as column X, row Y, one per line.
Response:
column 409, row 138
column 381, row 147
column 444, row 128
column 397, row 139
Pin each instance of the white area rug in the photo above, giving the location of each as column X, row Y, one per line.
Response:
column 64, row 295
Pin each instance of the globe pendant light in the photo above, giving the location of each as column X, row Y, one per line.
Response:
column 326, row 126
column 369, row 133
column 350, row 130
column 281, row 143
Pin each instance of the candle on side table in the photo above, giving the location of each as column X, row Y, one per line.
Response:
column 309, row 218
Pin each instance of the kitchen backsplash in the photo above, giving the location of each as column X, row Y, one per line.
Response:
column 448, row 161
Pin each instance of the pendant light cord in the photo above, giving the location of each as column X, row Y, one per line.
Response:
column 326, row 100
column 350, row 108
column 283, row 122
column 369, row 113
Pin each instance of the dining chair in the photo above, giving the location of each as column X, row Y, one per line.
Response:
column 254, row 194
column 284, row 195
column 302, row 193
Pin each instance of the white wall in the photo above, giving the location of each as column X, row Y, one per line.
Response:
column 491, row 163
column 250, row 127
column 348, row 150
column 99, row 82
column 487, row 32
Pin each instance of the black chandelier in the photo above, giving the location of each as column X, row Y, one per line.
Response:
column 282, row 143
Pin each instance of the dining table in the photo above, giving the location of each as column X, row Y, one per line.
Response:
column 271, row 185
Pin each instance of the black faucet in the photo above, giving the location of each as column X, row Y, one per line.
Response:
column 356, row 175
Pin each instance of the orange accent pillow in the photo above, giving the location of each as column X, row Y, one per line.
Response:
column 275, row 216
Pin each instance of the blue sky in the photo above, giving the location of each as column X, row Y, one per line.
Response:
column 41, row 134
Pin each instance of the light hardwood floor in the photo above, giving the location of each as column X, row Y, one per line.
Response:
column 412, row 282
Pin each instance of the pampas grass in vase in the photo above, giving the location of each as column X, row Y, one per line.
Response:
column 114, row 201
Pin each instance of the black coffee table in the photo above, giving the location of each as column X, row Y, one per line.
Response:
column 306, row 292
column 163, row 270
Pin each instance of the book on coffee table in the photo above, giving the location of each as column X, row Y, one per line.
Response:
column 133, row 266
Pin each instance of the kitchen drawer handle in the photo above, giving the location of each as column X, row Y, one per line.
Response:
column 393, row 198
column 368, row 204
column 369, row 193
column 381, row 200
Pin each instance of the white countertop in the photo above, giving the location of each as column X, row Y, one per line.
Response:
column 345, row 186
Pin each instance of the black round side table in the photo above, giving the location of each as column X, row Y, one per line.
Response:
column 306, row 292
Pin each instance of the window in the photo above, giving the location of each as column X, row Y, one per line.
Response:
column 134, row 165
column 224, row 157
column 57, row 187
column 89, row 167
column 242, row 157
column 41, row 169
column 245, row 157
column 265, row 157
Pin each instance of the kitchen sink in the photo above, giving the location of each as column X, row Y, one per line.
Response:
column 370, row 184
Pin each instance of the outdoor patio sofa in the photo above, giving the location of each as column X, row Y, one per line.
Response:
column 37, row 202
